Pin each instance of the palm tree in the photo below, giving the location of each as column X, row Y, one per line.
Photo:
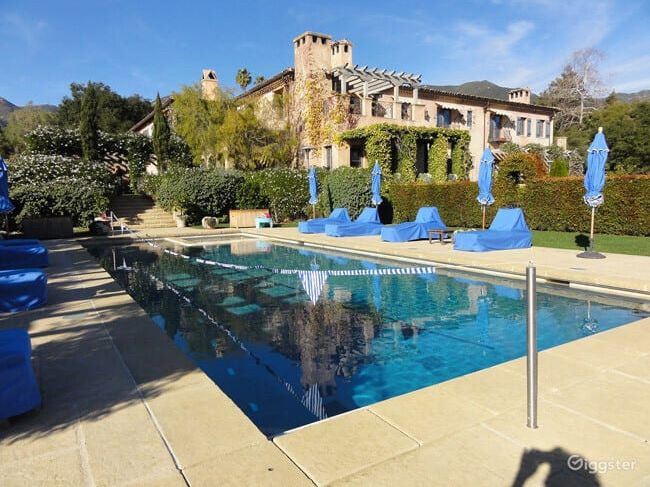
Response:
column 259, row 78
column 243, row 78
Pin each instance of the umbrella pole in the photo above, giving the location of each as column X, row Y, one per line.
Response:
column 483, row 206
column 591, row 233
column 313, row 210
column 589, row 253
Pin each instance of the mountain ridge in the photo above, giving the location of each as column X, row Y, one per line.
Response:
column 6, row 107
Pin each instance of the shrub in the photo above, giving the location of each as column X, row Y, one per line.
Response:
column 34, row 169
column 197, row 192
column 286, row 191
column 346, row 187
column 407, row 155
column 559, row 168
column 80, row 202
column 548, row 203
column 249, row 194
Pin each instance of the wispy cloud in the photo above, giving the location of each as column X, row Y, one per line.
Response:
column 22, row 28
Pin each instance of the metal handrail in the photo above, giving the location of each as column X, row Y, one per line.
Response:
column 115, row 219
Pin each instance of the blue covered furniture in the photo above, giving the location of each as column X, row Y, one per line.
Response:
column 317, row 225
column 507, row 231
column 22, row 289
column 20, row 241
column 18, row 388
column 427, row 219
column 367, row 223
column 17, row 256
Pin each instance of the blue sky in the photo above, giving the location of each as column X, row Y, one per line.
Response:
column 149, row 46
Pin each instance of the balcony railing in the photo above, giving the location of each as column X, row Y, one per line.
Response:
column 500, row 135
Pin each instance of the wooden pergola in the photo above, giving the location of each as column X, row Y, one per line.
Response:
column 366, row 81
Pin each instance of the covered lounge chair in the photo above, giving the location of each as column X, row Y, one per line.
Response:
column 507, row 231
column 17, row 256
column 22, row 289
column 317, row 225
column 367, row 223
column 427, row 219
column 18, row 388
column 19, row 241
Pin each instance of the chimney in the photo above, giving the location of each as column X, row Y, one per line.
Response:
column 209, row 84
column 312, row 52
column 341, row 53
column 519, row 95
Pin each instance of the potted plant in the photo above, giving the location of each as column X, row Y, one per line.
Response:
column 180, row 218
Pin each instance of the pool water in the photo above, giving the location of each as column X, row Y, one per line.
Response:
column 287, row 362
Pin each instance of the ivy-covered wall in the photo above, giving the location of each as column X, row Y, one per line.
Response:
column 381, row 138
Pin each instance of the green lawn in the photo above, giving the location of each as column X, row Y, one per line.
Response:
column 620, row 244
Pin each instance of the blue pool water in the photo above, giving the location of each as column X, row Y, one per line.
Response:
column 287, row 362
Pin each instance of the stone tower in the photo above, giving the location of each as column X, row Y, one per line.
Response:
column 312, row 52
column 209, row 84
column 341, row 53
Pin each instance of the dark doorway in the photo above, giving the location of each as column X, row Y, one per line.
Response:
column 356, row 154
column 421, row 158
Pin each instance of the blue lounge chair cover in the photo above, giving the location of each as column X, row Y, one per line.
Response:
column 427, row 219
column 20, row 241
column 366, row 224
column 22, row 289
column 18, row 388
column 22, row 256
column 507, row 231
column 317, row 225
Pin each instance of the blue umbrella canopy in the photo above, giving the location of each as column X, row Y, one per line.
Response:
column 595, row 175
column 313, row 186
column 376, row 184
column 485, row 178
column 5, row 203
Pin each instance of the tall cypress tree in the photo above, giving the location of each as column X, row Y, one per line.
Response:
column 88, row 124
column 161, row 135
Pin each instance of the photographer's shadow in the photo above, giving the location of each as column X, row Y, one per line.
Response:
column 565, row 469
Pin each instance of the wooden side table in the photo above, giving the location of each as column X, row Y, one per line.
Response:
column 438, row 233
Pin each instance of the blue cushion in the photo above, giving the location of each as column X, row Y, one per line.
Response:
column 19, row 256
column 20, row 241
column 22, row 289
column 317, row 225
column 18, row 388
column 507, row 231
column 366, row 224
column 427, row 219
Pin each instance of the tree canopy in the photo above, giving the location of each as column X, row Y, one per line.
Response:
column 161, row 138
column 627, row 130
column 243, row 78
column 19, row 123
column 88, row 124
column 115, row 113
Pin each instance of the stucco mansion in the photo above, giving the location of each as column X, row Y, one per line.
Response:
column 325, row 94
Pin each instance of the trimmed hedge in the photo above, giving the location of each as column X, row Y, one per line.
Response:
column 548, row 203
column 344, row 187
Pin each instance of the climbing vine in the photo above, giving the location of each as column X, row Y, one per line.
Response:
column 438, row 159
column 460, row 158
column 379, row 148
column 407, row 155
column 380, row 138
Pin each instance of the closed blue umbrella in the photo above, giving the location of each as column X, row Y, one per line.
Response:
column 5, row 203
column 594, row 183
column 485, row 197
column 313, row 189
column 376, row 184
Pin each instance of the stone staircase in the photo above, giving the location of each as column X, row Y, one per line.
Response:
column 139, row 212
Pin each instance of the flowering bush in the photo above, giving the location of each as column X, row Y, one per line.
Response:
column 51, row 185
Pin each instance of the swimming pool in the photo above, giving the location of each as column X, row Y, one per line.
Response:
column 286, row 361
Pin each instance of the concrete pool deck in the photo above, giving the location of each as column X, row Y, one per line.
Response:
column 123, row 406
